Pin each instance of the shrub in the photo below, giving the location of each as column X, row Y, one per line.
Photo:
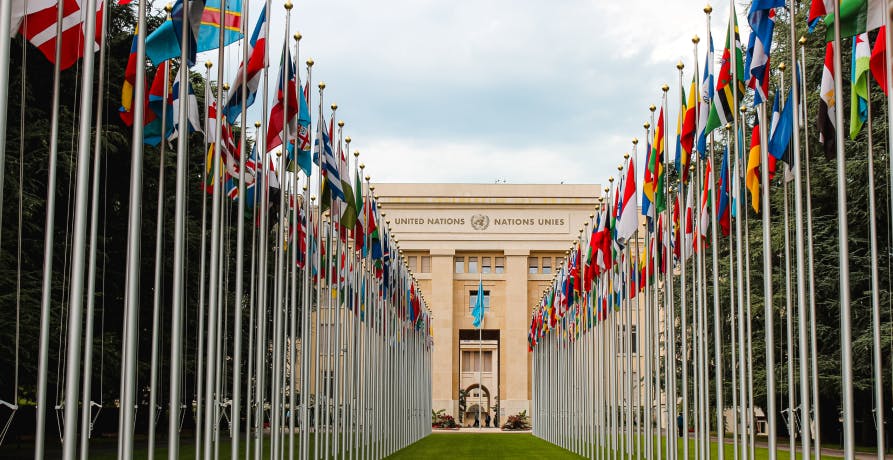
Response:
column 440, row 419
column 517, row 422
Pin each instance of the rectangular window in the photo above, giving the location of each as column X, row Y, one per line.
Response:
column 485, row 264
column 412, row 263
column 532, row 265
column 634, row 337
column 500, row 265
column 473, row 359
column 547, row 265
column 426, row 264
column 472, row 265
column 460, row 265
column 473, row 298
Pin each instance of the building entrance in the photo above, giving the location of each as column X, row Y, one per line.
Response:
column 479, row 376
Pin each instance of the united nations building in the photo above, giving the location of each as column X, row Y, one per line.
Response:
column 508, row 237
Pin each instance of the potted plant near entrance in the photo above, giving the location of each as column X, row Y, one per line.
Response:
column 441, row 420
column 517, row 422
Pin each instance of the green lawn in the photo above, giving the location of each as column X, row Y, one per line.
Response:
column 485, row 446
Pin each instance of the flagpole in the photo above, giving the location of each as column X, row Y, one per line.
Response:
column 846, row 341
column 259, row 169
column 768, row 309
column 86, row 401
column 159, row 253
column 50, row 222
column 5, row 39
column 877, row 366
column 739, row 255
column 669, row 312
column 812, row 310
column 649, row 435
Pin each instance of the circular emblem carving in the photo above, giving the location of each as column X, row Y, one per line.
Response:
column 480, row 222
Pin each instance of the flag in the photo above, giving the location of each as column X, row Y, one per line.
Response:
column 828, row 105
column 688, row 129
column 752, row 177
column 723, row 212
column 359, row 233
column 628, row 221
column 857, row 16
column 36, row 19
column 286, row 88
column 782, row 128
column 689, row 222
column 706, row 98
column 229, row 15
column 251, row 71
column 652, row 188
column 349, row 209
column 706, row 198
column 164, row 42
column 859, row 84
column 126, row 110
column 721, row 112
column 818, row 9
column 762, row 23
column 878, row 62
column 192, row 118
column 161, row 104
column 677, row 160
column 329, row 165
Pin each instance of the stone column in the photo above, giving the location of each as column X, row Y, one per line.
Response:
column 443, row 359
column 513, row 339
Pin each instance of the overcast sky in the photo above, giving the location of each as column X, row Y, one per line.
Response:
column 479, row 91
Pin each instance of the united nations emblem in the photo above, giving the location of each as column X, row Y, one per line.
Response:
column 480, row 222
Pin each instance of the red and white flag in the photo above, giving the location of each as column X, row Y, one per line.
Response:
column 39, row 27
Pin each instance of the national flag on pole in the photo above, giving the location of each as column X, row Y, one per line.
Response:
column 126, row 109
column 762, row 23
column 828, row 105
column 859, row 83
column 164, row 42
column 688, row 129
column 723, row 212
column 689, row 222
column 782, row 128
column 878, row 61
column 652, row 189
column 706, row 98
column 857, row 16
column 252, row 71
column 628, row 220
column 161, row 104
column 722, row 110
column 329, row 164
column 36, row 19
column 286, row 88
column 706, row 198
column 192, row 117
column 225, row 14
column 818, row 9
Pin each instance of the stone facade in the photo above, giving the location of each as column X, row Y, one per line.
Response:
column 510, row 238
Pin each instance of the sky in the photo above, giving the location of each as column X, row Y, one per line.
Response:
column 494, row 90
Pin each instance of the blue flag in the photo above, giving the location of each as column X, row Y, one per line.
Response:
column 781, row 135
column 230, row 16
column 478, row 310
column 164, row 42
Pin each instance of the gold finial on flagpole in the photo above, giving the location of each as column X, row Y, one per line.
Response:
column 591, row 215
column 626, row 156
column 802, row 40
column 347, row 139
column 695, row 39
column 708, row 9
column 362, row 165
column 334, row 106
column 646, row 125
column 372, row 188
column 288, row 5
column 256, row 124
column 652, row 107
column 781, row 67
column 611, row 179
column 312, row 197
column 620, row 167
column 665, row 87
column 635, row 140
column 226, row 86
column 298, row 36
column 680, row 65
column 309, row 62
column 728, row 126
column 743, row 109
column 340, row 122
column 168, row 8
column 356, row 153
column 322, row 85
column 304, row 188
column 367, row 177
column 208, row 65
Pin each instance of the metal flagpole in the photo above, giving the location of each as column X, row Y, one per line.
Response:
column 260, row 170
column 129, row 355
column 159, row 254
column 768, row 311
column 877, row 366
column 669, row 312
column 5, row 39
column 683, row 310
column 740, row 209
column 846, row 341
column 238, row 295
column 50, row 222
column 86, row 401
column 812, row 329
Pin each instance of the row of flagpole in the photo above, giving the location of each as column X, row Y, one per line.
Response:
column 337, row 361
column 581, row 332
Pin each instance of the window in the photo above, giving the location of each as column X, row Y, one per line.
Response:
column 473, row 298
column 485, row 264
column 500, row 265
column 460, row 265
column 533, row 265
column 547, row 265
column 634, row 337
column 623, row 339
column 412, row 263
column 472, row 360
column 426, row 264
column 472, row 265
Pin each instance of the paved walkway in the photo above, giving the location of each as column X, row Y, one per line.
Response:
column 480, row 430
